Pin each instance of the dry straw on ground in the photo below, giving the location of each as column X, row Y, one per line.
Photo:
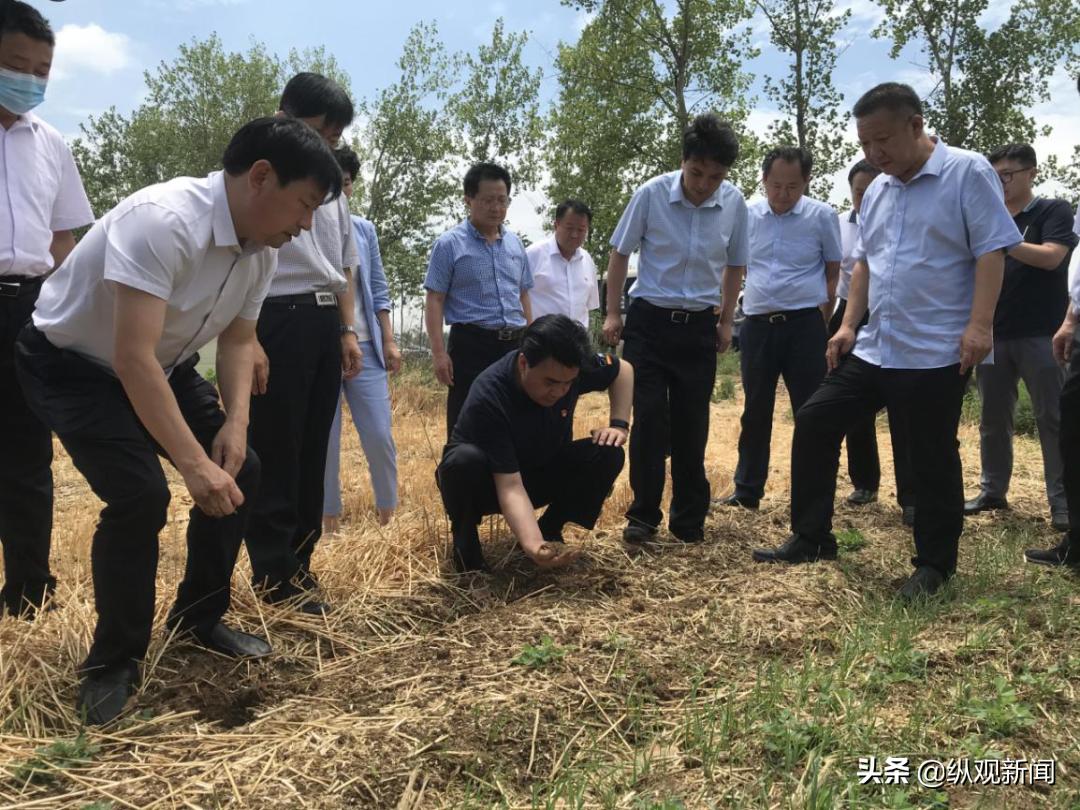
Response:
column 408, row 694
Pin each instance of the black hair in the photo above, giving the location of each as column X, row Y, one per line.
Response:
column 348, row 160
column 789, row 154
column 292, row 148
column 1022, row 153
column 709, row 138
column 479, row 172
column 891, row 96
column 309, row 95
column 562, row 339
column 862, row 167
column 575, row 206
column 20, row 18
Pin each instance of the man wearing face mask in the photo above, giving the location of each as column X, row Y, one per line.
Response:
column 43, row 201
column 791, row 277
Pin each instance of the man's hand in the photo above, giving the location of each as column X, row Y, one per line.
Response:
column 261, row 375
column 213, row 490
column 1063, row 341
column 610, row 436
column 352, row 359
column 723, row 336
column 839, row 344
column 444, row 367
column 613, row 327
column 975, row 344
column 229, row 448
column 392, row 357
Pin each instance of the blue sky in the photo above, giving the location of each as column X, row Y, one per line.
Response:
column 105, row 45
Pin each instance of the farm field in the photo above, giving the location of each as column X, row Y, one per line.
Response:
column 687, row 677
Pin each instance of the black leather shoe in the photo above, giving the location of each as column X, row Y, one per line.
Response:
column 1061, row 554
column 314, row 607
column 861, row 497
column 925, row 582
column 741, row 501
column 984, row 503
column 234, row 643
column 796, row 550
column 638, row 533
column 103, row 697
column 907, row 516
column 1060, row 523
column 690, row 537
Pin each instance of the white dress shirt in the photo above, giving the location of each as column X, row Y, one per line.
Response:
column 42, row 193
column 175, row 241
column 849, row 232
column 562, row 287
column 921, row 239
column 788, row 252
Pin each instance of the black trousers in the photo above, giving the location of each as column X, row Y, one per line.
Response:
column 88, row 409
column 674, row 372
column 931, row 399
column 290, row 429
column 1069, row 440
column 864, row 464
column 573, row 486
column 792, row 349
column 26, row 484
column 471, row 350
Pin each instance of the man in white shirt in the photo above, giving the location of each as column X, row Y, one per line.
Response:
column 42, row 201
column 307, row 343
column 109, row 365
column 564, row 275
column 929, row 259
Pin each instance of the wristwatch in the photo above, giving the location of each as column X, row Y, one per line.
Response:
column 619, row 423
column 348, row 329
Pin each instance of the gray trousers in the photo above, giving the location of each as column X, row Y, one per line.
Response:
column 1032, row 360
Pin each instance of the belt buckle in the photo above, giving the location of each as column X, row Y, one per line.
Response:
column 778, row 317
column 680, row 316
column 9, row 289
column 505, row 334
column 325, row 299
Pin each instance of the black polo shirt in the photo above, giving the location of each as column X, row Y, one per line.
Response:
column 1032, row 301
column 515, row 432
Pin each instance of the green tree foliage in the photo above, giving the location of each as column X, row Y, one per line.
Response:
column 985, row 80
column 807, row 31
column 630, row 85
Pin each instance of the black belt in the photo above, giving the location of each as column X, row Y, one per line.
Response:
column 505, row 334
column 783, row 317
column 679, row 316
column 313, row 299
column 14, row 286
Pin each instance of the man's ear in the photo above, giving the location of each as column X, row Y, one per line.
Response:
column 260, row 173
column 917, row 124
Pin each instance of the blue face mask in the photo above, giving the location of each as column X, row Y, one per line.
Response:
column 20, row 92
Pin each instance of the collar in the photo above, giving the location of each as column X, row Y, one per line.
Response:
column 675, row 194
column 553, row 250
column 475, row 233
column 26, row 121
column 796, row 209
column 223, row 228
column 933, row 166
column 1031, row 204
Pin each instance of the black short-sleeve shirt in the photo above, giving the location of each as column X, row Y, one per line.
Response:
column 515, row 432
column 1032, row 301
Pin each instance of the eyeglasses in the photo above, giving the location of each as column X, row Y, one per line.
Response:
column 492, row 202
column 1006, row 177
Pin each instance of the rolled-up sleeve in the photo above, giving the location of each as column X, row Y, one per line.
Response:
column 989, row 225
column 631, row 228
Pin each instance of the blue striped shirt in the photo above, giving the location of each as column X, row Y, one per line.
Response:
column 684, row 248
column 483, row 281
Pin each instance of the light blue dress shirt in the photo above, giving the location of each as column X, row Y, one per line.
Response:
column 482, row 281
column 684, row 248
column 372, row 291
column 788, row 252
column 921, row 240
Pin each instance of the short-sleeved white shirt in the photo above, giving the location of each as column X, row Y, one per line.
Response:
column 175, row 241
column 40, row 192
column 562, row 287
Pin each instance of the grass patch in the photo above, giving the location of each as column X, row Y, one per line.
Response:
column 50, row 761
column 539, row 655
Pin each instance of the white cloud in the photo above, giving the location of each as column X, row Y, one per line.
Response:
column 82, row 49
